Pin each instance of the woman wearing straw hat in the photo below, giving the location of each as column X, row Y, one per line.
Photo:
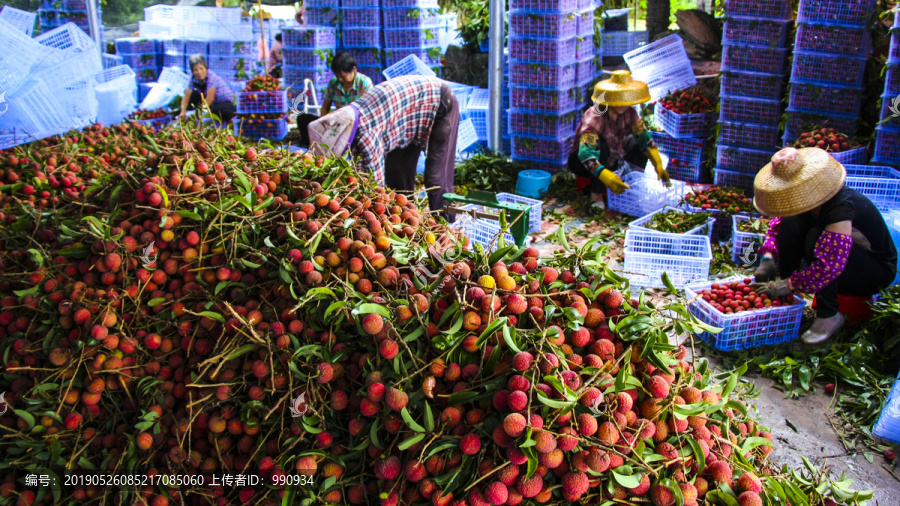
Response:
column 610, row 133
column 834, row 230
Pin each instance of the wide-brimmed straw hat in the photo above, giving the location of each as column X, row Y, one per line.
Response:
column 796, row 181
column 621, row 90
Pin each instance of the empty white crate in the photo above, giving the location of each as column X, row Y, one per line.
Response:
column 649, row 254
column 645, row 195
column 663, row 65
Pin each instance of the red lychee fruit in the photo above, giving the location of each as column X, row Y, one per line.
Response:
column 545, row 442
column 642, row 488
column 575, row 484
column 720, row 471
column 372, row 323
column 470, row 444
column 749, row 499
column 517, row 401
column 396, row 399
column 613, row 300
column 661, row 496
column 597, row 460
column 326, row 372
column 260, row 369
column 375, row 392
column 749, row 482
column 688, row 492
column 594, row 318
column 608, row 433
column 658, row 387
column 73, row 421
column 496, row 493
column 388, row 349
column 522, row 361
column 550, row 275
column 514, row 426
column 587, row 424
column 387, row 469
column 508, row 475
column 516, row 304
column 144, row 441
column 530, row 487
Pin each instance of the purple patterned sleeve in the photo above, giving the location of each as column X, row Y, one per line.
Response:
column 770, row 244
column 832, row 250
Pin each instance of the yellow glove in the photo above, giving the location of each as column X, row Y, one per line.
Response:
column 612, row 181
column 656, row 160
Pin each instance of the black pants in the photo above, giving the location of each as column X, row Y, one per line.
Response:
column 224, row 110
column 574, row 164
column 864, row 275
column 440, row 160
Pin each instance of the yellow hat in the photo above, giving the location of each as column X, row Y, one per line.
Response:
column 796, row 181
column 621, row 90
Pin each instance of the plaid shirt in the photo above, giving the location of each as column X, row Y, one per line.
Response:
column 339, row 98
column 213, row 80
column 393, row 115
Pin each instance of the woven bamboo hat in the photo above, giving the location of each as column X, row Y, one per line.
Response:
column 796, row 181
column 621, row 90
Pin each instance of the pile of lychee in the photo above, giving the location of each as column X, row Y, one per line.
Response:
column 739, row 296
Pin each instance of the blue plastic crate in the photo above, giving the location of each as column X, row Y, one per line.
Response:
column 836, row 12
column 172, row 46
column 312, row 58
column 663, row 64
column 550, row 167
column 872, row 171
column 764, row 60
column 140, row 61
column 747, row 329
column 852, row 156
column 360, row 18
column 408, row 65
column 892, row 80
column 368, row 56
column 649, row 254
column 544, row 6
column 232, row 47
column 733, row 179
column 723, row 224
column 894, row 52
column 389, row 4
column 543, row 75
column 743, row 159
column 749, row 135
column 825, row 100
column 411, row 38
column 551, row 126
column 361, row 37
column 273, row 129
column 548, row 50
column 883, row 192
column 135, row 45
column 645, row 195
column 772, row 9
column 752, row 85
column 685, row 156
column 543, row 100
column 542, row 150
column 748, row 31
column 223, row 64
column 411, row 17
column 361, row 4
column 146, row 75
column 543, row 25
column 888, row 425
column 323, row 16
column 698, row 126
column 616, row 20
column 833, row 40
column 890, row 113
column 430, row 56
column 827, row 70
column 334, row 4
column 641, row 223
column 798, row 122
column 307, row 37
column 619, row 43
column 750, row 110
column 585, row 25
column 484, row 231
column 373, row 72
column 887, row 146
column 745, row 245
column 587, row 72
column 262, row 102
column 174, row 60
column 192, row 47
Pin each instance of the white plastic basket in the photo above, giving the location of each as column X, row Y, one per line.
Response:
column 619, row 43
column 111, row 60
column 745, row 245
column 23, row 20
column 19, row 54
column 649, row 254
column 34, row 109
column 879, row 184
column 156, row 29
column 411, row 65
column 645, row 195
column 663, row 65
column 705, row 229
column 466, row 135
column 171, row 83
column 483, row 231
column 534, row 217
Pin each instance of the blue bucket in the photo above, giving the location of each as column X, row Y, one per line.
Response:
column 532, row 183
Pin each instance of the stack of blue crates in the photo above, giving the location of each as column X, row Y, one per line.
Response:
column 753, row 65
column 142, row 55
column 617, row 39
column 55, row 13
column 361, row 36
column 236, row 61
column 830, row 53
column 546, row 87
column 412, row 27
column 887, row 134
column 307, row 54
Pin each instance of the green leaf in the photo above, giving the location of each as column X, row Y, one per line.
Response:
column 25, row 416
column 372, row 308
column 627, row 481
column 24, row 293
column 410, row 422
column 509, row 339
column 242, row 180
column 429, row 418
column 561, row 237
column 165, row 195
column 698, row 454
column 410, row 441
column 668, row 282
column 490, row 329
column 334, row 307
column 752, row 442
column 157, row 301
column 532, row 461
column 213, row 315
column 500, row 253
column 554, row 403
column 243, row 350
column 461, row 397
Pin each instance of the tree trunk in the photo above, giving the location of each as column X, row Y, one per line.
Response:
column 658, row 12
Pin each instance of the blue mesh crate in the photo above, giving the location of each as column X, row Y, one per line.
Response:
column 892, row 80
column 538, row 125
column 645, row 195
column 619, row 43
column 772, row 9
column 360, row 18
column 543, row 50
column 71, row 5
column 834, row 40
column 543, row 25
column 172, row 46
column 852, row 156
column 745, row 245
column 542, row 150
column 750, row 110
column 585, row 23
column 232, row 47
column 361, row 4
column 883, row 192
column 483, row 231
column 192, row 47
column 367, row 56
column 685, row 156
column 146, row 75
column 682, row 126
column 747, row 31
column 749, row 135
column 543, row 75
column 734, row 179
column 174, row 60
column 309, row 37
column 222, row 64
column 894, row 53
column 414, row 17
column 743, row 159
column 534, row 216
column 641, row 223
column 587, row 71
column 798, row 122
column 372, row 72
column 558, row 100
column 753, row 59
column 430, row 56
column 361, row 37
column 408, row 65
column 388, row 4
column 826, row 100
column 550, row 167
column 663, row 65
column 890, row 113
column 836, row 12
column 411, row 38
column 262, row 102
column 135, row 45
column 333, row 4
column 887, row 426
column 871, row 171
column 296, row 75
column 548, row 6
column 274, row 129
column 314, row 58
column 722, row 226
column 616, row 20
column 887, row 146
column 140, row 61
column 323, row 16
column 649, row 254
column 827, row 70
column 747, row 329
column 477, row 108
